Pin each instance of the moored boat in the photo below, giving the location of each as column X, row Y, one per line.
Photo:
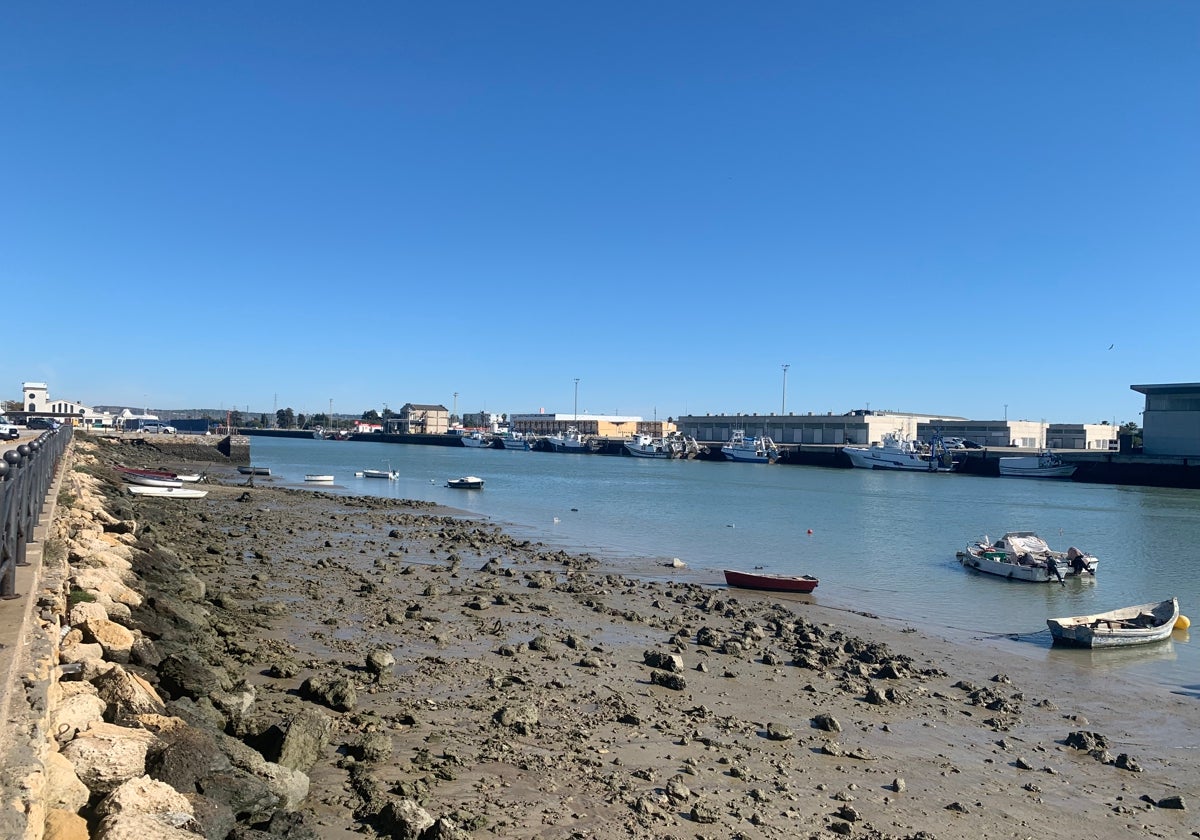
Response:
column 1137, row 625
column 514, row 440
column 1023, row 555
column 476, row 440
column 1043, row 465
column 773, row 583
column 896, row 452
column 646, row 446
column 318, row 478
column 388, row 474
column 467, row 482
column 569, row 441
column 756, row 450
column 254, row 470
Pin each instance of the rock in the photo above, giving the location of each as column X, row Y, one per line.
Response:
column 338, row 693
column 1087, row 741
column 404, row 819
column 669, row 680
column 705, row 812
column 76, row 713
column 305, row 741
column 374, row 747
column 127, row 695
column 826, row 722
column 1127, row 762
column 664, row 661
column 143, row 826
column 898, row 785
column 779, row 732
column 380, row 661
column 144, row 795
column 186, row 675
column 64, row 789
column 214, row 820
column 678, row 790
column 185, row 758
column 521, row 718
column 64, row 824
column 1174, row 802
column 105, row 756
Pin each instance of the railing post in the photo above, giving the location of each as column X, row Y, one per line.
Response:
column 10, row 507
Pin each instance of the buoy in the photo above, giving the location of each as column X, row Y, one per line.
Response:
column 810, row 530
column 1183, row 623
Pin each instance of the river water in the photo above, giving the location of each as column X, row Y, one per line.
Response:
column 880, row 542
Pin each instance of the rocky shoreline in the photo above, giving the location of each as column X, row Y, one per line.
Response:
column 272, row 662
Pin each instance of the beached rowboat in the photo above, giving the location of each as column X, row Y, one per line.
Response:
column 318, row 479
column 173, row 492
column 774, row 583
column 1137, row 625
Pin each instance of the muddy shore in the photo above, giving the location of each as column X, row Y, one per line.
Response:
column 469, row 684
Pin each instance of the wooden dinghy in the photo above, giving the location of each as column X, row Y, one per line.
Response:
column 1137, row 625
column 772, row 583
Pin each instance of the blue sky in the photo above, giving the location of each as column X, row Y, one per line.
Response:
column 934, row 207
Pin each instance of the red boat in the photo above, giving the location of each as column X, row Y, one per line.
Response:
column 774, row 583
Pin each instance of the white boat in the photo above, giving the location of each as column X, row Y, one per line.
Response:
column 467, row 482
column 896, row 452
column 569, row 441
column 174, row 492
column 476, row 440
column 1043, row 465
column 1023, row 555
column 1137, row 625
column 757, row 450
column 391, row 475
column 514, row 440
column 149, row 480
column 318, row 478
column 646, row 446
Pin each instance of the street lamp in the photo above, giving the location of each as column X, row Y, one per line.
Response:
column 783, row 407
column 576, row 399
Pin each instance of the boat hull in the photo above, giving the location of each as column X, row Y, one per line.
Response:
column 319, row 479
column 467, row 482
column 379, row 474
column 152, row 480
column 254, row 470
column 173, row 492
column 867, row 459
column 770, row 583
column 1064, row 471
column 1117, row 628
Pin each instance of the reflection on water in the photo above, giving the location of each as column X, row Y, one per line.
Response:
column 1110, row 659
column 879, row 541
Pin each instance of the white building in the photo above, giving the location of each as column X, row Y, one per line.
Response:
column 36, row 401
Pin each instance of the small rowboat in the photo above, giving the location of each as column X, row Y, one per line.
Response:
column 1137, row 625
column 319, row 479
column 151, row 480
column 773, row 583
column 175, row 492
column 388, row 474
column 467, row 482
column 254, row 470
column 166, row 474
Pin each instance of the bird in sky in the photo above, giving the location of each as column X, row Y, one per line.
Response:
column 1111, row 346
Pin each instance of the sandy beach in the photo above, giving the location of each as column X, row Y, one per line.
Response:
column 506, row 688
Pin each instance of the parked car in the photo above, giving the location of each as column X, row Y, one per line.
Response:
column 970, row 444
column 158, row 429
column 42, row 423
column 8, row 431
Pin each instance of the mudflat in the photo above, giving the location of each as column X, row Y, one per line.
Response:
column 513, row 689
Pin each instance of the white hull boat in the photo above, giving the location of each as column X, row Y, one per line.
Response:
column 755, row 450
column 476, row 440
column 514, row 440
column 900, row 453
column 467, row 482
column 145, row 480
column 645, row 446
column 1043, row 465
column 174, row 492
column 319, row 478
column 1023, row 555
column 1127, row 626
column 568, row 441
column 391, row 475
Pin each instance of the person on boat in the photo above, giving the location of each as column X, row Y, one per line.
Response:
column 1075, row 558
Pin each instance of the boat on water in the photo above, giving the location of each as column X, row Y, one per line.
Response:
column 1023, row 555
column 755, row 450
column 1043, row 465
column 646, row 446
column 897, row 452
column 569, row 441
column 467, row 482
column 391, row 475
column 772, row 583
column 254, row 470
column 318, row 478
column 173, row 492
column 476, row 440
column 1137, row 625
column 514, row 440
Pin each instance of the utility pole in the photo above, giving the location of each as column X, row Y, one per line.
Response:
column 576, row 399
column 783, row 407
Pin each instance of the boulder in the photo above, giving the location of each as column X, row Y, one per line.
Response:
column 144, row 795
column 143, row 826
column 186, row 675
column 105, row 755
column 305, row 740
column 64, row 790
column 185, row 758
column 75, row 713
column 85, row 611
column 62, row 824
column 112, row 637
column 127, row 695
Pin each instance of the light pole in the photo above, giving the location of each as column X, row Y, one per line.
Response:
column 783, row 407
column 1006, row 412
column 576, row 399
column 454, row 412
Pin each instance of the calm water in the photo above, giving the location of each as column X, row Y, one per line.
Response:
column 880, row 541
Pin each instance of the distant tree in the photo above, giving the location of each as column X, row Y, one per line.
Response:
column 319, row 419
column 12, row 405
column 301, row 420
column 235, row 419
column 371, row 415
column 388, row 413
column 1133, row 429
column 262, row 421
column 285, row 418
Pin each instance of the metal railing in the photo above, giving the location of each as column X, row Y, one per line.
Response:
column 26, row 473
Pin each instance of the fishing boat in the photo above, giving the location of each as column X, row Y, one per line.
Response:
column 476, row 440
column 896, row 452
column 755, row 450
column 569, row 441
column 1137, row 625
column 172, row 492
column 318, row 478
column 1023, row 555
column 514, row 440
column 467, row 482
column 254, row 470
column 646, row 446
column 1043, row 465
column 772, row 583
